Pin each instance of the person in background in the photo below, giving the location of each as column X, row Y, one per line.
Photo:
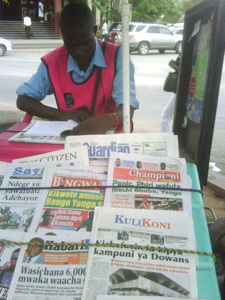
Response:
column 168, row 111
column 41, row 11
column 104, row 36
column 70, row 72
column 31, row 9
column 48, row 13
column 27, row 25
column 7, row 270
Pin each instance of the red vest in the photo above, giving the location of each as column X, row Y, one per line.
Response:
column 71, row 96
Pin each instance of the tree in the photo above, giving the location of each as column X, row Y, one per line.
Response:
column 160, row 11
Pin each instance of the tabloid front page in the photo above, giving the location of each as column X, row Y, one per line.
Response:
column 72, row 209
column 50, row 271
column 147, row 172
column 100, row 146
column 8, row 259
column 18, row 206
column 129, row 271
column 80, row 153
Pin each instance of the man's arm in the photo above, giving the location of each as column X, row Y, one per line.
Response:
column 34, row 107
column 101, row 124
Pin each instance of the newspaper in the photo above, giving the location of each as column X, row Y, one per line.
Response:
column 100, row 146
column 20, row 137
column 8, row 260
column 71, row 209
column 18, row 206
column 51, row 128
column 79, row 153
column 129, row 271
column 105, row 297
column 50, row 271
column 147, row 172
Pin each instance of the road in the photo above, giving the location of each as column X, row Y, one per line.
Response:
column 150, row 73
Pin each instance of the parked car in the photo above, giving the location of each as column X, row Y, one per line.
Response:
column 5, row 45
column 113, row 31
column 144, row 37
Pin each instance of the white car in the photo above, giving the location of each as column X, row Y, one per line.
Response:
column 5, row 45
column 147, row 36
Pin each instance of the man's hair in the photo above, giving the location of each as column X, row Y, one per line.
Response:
column 47, row 211
column 17, row 250
column 75, row 16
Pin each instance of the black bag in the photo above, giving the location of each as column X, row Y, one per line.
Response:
column 170, row 84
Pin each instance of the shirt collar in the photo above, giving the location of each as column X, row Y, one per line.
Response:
column 97, row 60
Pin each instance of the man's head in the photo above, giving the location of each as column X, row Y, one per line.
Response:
column 162, row 166
column 48, row 217
column 91, row 215
column 139, row 164
column 77, row 27
column 14, row 257
column 34, row 250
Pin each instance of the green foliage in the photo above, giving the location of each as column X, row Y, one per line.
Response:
column 5, row 1
column 160, row 11
column 186, row 4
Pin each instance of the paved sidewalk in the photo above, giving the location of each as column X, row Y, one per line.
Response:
column 23, row 45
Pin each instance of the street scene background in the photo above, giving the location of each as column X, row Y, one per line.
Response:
column 150, row 73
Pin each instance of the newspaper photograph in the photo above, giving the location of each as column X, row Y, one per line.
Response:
column 136, row 271
column 18, row 206
column 80, row 153
column 70, row 209
column 45, row 270
column 100, row 146
column 150, row 174
column 8, row 259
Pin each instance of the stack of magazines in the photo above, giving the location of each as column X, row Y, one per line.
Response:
column 109, row 217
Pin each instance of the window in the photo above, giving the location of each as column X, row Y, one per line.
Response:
column 153, row 29
column 165, row 30
column 131, row 28
column 140, row 28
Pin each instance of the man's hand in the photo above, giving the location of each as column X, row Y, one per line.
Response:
column 79, row 115
column 95, row 125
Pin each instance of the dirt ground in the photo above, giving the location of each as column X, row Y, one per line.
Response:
column 214, row 201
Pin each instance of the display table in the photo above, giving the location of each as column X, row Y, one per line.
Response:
column 13, row 150
column 206, row 276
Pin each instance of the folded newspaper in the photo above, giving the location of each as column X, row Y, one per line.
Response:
column 156, row 183
column 117, row 270
column 100, row 146
column 72, row 210
column 48, row 271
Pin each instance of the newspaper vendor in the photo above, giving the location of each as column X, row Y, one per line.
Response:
column 75, row 73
